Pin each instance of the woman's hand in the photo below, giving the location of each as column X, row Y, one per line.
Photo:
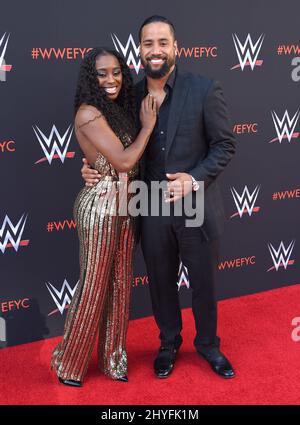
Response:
column 148, row 113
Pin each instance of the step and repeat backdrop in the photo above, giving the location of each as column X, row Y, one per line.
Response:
column 252, row 47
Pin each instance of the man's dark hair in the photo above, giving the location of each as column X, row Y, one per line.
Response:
column 157, row 18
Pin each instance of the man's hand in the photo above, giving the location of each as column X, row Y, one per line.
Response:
column 179, row 185
column 90, row 176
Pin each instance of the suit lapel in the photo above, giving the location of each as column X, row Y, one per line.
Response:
column 179, row 95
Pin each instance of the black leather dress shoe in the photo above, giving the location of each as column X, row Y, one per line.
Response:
column 123, row 378
column 70, row 382
column 218, row 362
column 164, row 362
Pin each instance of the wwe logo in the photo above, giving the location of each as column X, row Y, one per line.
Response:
column 62, row 297
column 10, row 235
column 55, row 146
column 4, row 40
column 3, row 67
column 245, row 202
column 130, row 52
column 248, row 52
column 285, row 127
column 183, row 277
column 281, row 257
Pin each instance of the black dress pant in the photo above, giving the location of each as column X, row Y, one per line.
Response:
column 165, row 241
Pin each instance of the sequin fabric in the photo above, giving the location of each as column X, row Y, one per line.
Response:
column 99, row 310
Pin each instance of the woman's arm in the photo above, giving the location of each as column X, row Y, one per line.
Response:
column 95, row 128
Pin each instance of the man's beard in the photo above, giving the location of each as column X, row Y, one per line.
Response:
column 156, row 74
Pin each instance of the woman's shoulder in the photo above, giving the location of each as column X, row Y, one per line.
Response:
column 86, row 114
column 86, row 111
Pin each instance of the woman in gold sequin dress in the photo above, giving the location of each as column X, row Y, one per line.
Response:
column 106, row 132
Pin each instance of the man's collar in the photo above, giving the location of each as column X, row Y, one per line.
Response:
column 172, row 77
column 170, row 81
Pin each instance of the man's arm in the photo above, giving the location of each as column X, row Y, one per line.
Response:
column 89, row 175
column 221, row 141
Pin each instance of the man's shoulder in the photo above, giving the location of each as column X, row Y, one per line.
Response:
column 197, row 80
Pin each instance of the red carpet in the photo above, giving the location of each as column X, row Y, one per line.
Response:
column 256, row 336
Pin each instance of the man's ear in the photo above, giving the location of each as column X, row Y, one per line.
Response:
column 175, row 46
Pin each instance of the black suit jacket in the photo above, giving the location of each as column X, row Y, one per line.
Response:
column 200, row 140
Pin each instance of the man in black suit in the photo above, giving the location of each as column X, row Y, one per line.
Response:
column 191, row 142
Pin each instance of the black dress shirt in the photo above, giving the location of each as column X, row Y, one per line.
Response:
column 156, row 148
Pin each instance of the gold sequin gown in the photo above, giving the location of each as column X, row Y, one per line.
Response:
column 100, row 305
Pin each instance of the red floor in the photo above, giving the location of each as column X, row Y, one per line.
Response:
column 256, row 336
